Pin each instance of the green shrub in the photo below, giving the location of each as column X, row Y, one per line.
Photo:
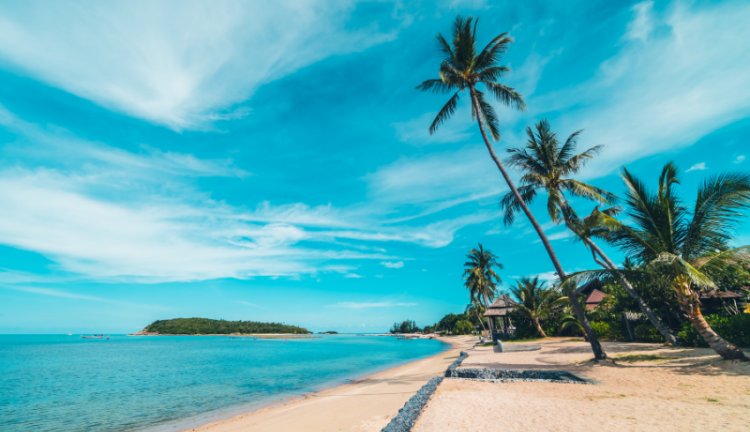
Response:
column 610, row 330
column 735, row 329
column 647, row 333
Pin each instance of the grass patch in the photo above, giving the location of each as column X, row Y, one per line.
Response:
column 575, row 340
column 524, row 340
column 640, row 358
column 711, row 399
column 488, row 344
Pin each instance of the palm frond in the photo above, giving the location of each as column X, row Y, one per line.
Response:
column 506, row 95
column 721, row 202
column 445, row 113
column 510, row 205
column 489, row 115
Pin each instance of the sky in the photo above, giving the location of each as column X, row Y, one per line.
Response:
column 271, row 161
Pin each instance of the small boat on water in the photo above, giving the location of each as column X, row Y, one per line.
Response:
column 94, row 337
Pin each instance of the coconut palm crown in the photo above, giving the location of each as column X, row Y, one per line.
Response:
column 464, row 68
column 549, row 165
column 681, row 247
column 534, row 300
column 480, row 276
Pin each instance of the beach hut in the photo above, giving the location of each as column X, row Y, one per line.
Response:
column 498, row 312
column 594, row 298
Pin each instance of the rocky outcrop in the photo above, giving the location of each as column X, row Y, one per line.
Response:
column 144, row 333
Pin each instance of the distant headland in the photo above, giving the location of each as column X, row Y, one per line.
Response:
column 205, row 326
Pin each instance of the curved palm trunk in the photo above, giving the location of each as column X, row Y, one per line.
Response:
column 725, row 349
column 599, row 353
column 608, row 264
column 479, row 318
column 539, row 327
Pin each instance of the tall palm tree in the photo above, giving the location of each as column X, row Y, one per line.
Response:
column 547, row 165
column 480, row 276
column 463, row 68
column 534, row 300
column 681, row 248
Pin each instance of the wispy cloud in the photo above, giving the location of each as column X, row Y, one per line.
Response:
column 353, row 276
column 248, row 304
column 739, row 159
column 667, row 93
column 394, row 265
column 365, row 305
column 64, row 294
column 642, row 24
column 178, row 63
column 697, row 167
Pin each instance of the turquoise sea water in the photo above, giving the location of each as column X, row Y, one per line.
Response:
column 66, row 383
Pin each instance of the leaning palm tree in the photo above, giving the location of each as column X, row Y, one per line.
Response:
column 534, row 300
column 480, row 276
column 475, row 308
column 464, row 68
column 549, row 165
column 680, row 248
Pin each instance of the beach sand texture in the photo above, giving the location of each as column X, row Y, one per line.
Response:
column 365, row 405
column 695, row 391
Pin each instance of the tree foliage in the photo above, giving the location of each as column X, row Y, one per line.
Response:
column 196, row 326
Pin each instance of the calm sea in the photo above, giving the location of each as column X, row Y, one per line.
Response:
column 66, row 383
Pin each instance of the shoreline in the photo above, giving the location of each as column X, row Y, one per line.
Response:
column 317, row 410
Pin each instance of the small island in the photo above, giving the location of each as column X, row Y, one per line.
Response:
column 205, row 326
column 329, row 332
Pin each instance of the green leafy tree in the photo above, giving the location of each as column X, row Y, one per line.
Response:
column 480, row 277
column 549, row 165
column 680, row 248
column 465, row 68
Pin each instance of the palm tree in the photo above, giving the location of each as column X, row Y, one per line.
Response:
column 480, row 276
column 680, row 248
column 534, row 300
column 462, row 68
column 549, row 166
column 475, row 308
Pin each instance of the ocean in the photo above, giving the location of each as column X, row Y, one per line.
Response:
column 131, row 383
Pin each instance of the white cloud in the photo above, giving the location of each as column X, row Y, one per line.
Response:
column 697, row 167
column 390, row 264
column 641, row 26
column 687, row 81
column 739, row 159
column 356, row 305
column 178, row 63
column 58, row 293
column 247, row 304
column 415, row 131
column 353, row 276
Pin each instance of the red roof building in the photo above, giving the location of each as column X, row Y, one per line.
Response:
column 594, row 298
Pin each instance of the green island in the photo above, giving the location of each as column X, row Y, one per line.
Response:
column 205, row 326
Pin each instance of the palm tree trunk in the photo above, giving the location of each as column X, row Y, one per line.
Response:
column 480, row 319
column 596, row 347
column 489, row 319
column 539, row 327
column 725, row 349
column 608, row 264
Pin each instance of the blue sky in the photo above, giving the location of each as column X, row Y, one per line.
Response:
column 270, row 161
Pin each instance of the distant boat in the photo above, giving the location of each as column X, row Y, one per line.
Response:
column 94, row 337
column 70, row 334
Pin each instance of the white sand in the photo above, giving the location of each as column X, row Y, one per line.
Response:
column 643, row 396
column 366, row 405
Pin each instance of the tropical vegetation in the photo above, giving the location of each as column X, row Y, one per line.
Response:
column 205, row 326
column 677, row 258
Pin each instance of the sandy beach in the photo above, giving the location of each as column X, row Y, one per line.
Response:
column 693, row 390
column 365, row 405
